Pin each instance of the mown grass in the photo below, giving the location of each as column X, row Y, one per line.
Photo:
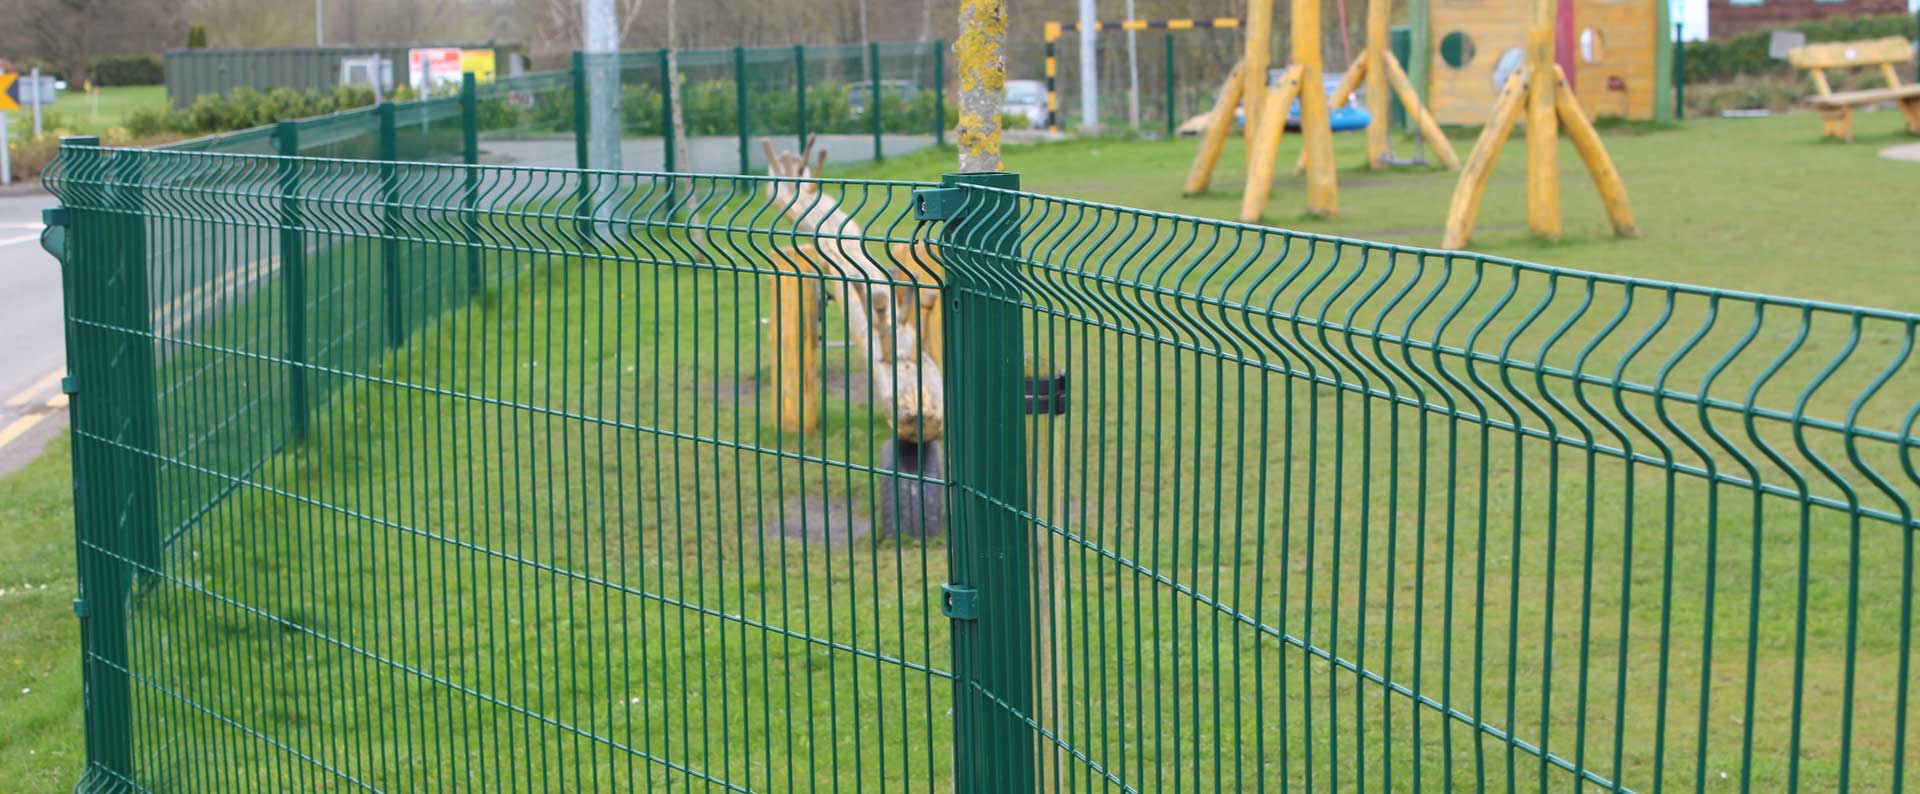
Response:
column 531, row 548
column 40, row 734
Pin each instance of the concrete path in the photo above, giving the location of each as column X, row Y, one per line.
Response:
column 32, row 339
column 1906, row 151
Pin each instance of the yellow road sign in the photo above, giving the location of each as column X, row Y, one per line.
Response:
column 9, row 92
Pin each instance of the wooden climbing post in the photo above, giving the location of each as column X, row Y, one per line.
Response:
column 1539, row 91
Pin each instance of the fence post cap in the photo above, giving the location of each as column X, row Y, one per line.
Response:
column 1006, row 180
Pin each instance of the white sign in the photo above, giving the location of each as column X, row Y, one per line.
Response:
column 440, row 65
column 44, row 88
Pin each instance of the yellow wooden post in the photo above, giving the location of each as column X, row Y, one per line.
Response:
column 1253, row 64
column 1422, row 116
column 1316, row 133
column 1375, row 65
column 1219, row 123
column 1586, row 141
column 919, row 306
column 1473, row 178
column 794, row 336
column 1543, row 134
column 1265, row 149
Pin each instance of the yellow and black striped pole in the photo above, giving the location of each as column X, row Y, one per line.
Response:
column 1054, row 30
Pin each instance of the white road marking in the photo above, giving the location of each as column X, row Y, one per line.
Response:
column 25, row 238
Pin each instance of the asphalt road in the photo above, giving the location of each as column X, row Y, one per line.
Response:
column 32, row 342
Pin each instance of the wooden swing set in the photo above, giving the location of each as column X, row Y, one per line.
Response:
column 1267, row 107
column 1539, row 87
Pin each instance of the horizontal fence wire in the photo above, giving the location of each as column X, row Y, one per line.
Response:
column 419, row 476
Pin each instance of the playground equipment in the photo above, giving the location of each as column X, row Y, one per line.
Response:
column 1378, row 67
column 1617, row 55
column 896, row 326
column 1539, row 86
column 1247, row 85
column 1266, row 111
column 1052, row 31
column 1836, row 109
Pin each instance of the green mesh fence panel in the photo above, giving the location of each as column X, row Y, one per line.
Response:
column 349, row 135
column 429, row 130
column 527, row 120
column 399, row 475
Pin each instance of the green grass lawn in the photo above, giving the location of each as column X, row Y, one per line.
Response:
column 535, row 540
column 79, row 113
column 1762, row 205
column 40, row 739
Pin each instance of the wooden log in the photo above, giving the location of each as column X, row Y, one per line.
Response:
column 1264, row 150
column 1256, row 58
column 1465, row 206
column 919, row 262
column 1316, row 133
column 1543, row 134
column 1376, row 77
column 1422, row 117
column 1342, row 91
column 1586, row 141
column 1219, row 123
column 906, row 382
column 793, row 334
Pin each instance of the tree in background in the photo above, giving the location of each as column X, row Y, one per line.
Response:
column 197, row 37
column 69, row 34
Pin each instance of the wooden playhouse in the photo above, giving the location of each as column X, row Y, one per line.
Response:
column 1617, row 53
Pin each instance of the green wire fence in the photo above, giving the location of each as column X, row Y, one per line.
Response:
column 728, row 98
column 427, row 476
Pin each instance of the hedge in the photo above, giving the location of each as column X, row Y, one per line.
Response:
column 128, row 70
column 1746, row 54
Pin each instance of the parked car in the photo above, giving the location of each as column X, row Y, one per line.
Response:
column 900, row 91
column 1028, row 98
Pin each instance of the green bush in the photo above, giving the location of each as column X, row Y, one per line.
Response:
column 112, row 70
column 243, row 108
column 197, row 36
column 1746, row 54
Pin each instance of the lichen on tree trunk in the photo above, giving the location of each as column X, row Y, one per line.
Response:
column 980, row 54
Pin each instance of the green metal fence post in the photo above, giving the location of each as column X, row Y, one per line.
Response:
column 390, row 225
column 1679, row 71
column 800, row 92
column 134, row 372
column 101, row 605
column 583, row 191
column 293, row 277
column 580, row 111
column 989, row 596
column 740, row 104
column 470, row 148
column 1171, row 87
column 939, row 93
column 666, row 108
column 873, row 98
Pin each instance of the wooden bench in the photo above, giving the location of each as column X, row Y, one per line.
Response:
column 1837, row 107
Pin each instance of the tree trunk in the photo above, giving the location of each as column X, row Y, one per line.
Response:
column 980, row 54
column 678, row 119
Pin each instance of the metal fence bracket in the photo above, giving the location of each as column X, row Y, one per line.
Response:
column 936, row 204
column 959, row 602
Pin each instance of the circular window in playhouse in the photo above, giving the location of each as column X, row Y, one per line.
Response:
column 1593, row 45
column 1456, row 49
column 1504, row 68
